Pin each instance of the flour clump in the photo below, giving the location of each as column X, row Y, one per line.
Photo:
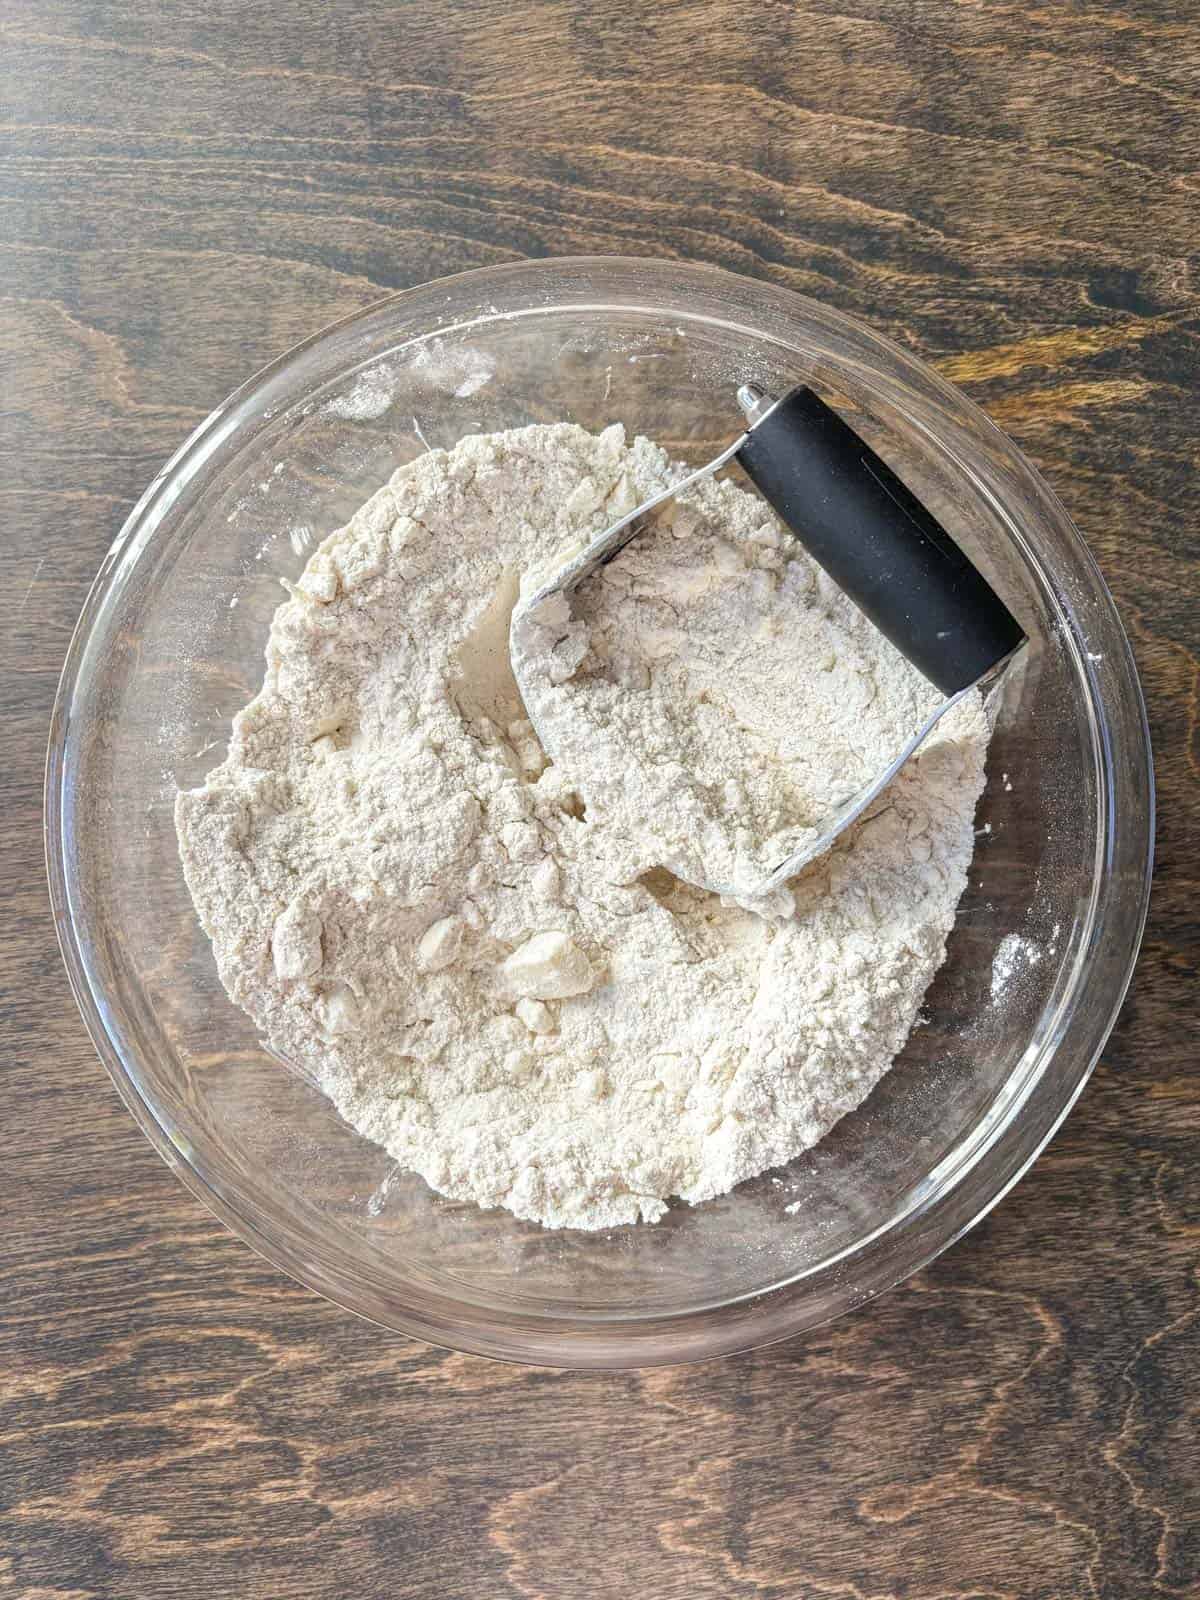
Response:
column 485, row 958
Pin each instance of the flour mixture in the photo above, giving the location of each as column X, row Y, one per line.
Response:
column 482, row 958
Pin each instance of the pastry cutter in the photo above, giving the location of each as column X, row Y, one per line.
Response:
column 874, row 538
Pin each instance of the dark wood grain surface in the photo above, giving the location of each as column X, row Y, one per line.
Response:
column 1011, row 189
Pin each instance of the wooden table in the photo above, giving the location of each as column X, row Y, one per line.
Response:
column 1010, row 189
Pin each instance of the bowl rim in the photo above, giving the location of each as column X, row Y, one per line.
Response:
column 655, row 1338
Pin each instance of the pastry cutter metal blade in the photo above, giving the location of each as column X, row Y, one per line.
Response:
column 874, row 538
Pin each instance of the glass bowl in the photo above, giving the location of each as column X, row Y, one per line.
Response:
column 170, row 645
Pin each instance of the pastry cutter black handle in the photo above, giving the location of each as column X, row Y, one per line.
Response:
column 875, row 539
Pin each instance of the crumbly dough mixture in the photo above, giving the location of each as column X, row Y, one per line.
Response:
column 480, row 956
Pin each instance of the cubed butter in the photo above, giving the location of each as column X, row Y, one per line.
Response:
column 549, row 966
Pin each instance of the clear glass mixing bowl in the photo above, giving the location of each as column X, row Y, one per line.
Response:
column 170, row 645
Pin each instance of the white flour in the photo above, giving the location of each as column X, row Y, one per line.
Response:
column 480, row 957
